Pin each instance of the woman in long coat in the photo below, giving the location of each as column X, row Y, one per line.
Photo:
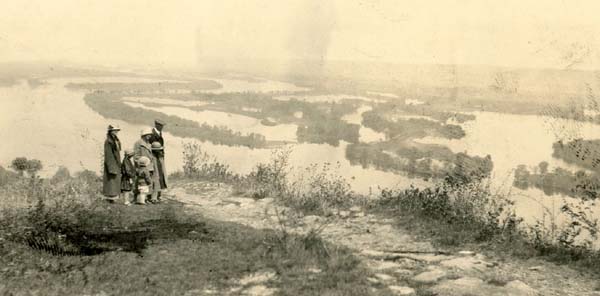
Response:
column 112, row 164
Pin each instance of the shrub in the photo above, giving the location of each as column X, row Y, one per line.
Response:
column 472, row 206
column 43, row 211
column 319, row 189
column 61, row 175
column 270, row 179
column 199, row 165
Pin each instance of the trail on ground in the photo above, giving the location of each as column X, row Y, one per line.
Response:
column 399, row 261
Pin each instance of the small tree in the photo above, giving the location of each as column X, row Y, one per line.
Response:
column 543, row 167
column 19, row 164
column 33, row 166
column 61, row 175
column 22, row 165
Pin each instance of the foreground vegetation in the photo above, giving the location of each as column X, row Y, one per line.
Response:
column 58, row 237
column 470, row 215
column 459, row 211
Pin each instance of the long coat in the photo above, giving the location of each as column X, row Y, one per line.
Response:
column 157, row 137
column 111, row 181
column 141, row 148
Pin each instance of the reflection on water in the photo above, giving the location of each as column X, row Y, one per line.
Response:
column 264, row 86
column 236, row 122
column 326, row 98
column 54, row 124
column 512, row 140
column 366, row 134
column 163, row 101
column 39, row 126
column 382, row 94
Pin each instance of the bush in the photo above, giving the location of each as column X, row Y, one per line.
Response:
column 22, row 164
column 315, row 190
column 43, row 211
column 199, row 165
column 319, row 189
column 270, row 179
column 471, row 206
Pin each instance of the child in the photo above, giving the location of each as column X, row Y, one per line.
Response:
column 127, row 175
column 143, row 181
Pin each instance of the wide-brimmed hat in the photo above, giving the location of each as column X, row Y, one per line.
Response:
column 147, row 131
column 159, row 122
column 143, row 161
column 113, row 128
column 157, row 146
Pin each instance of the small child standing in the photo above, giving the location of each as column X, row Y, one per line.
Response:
column 127, row 176
column 143, row 181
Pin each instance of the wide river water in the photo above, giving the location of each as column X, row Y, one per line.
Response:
column 53, row 124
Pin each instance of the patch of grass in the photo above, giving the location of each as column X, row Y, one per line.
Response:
column 68, row 241
column 181, row 252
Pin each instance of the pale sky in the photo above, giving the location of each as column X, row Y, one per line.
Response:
column 551, row 33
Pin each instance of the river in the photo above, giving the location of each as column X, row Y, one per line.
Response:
column 512, row 140
column 53, row 124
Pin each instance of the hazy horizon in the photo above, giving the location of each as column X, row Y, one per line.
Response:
column 513, row 34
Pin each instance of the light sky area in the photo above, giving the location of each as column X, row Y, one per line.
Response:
column 538, row 34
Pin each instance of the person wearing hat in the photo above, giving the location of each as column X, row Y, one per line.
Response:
column 157, row 132
column 158, row 137
column 128, row 174
column 158, row 176
column 143, row 180
column 111, row 179
column 143, row 148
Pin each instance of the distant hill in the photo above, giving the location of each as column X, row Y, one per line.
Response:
column 463, row 80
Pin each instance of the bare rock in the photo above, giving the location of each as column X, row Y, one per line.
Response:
column 428, row 258
column 402, row 290
column 465, row 264
column 468, row 286
column 462, row 287
column 311, row 219
column 384, row 277
column 430, row 277
column 257, row 278
column 383, row 265
column 517, row 287
column 466, row 253
column 344, row 214
column 403, row 272
column 355, row 209
column 259, row 290
column 374, row 253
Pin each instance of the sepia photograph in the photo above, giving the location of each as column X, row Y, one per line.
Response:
column 300, row 147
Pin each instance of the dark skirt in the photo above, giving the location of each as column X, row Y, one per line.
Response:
column 111, row 185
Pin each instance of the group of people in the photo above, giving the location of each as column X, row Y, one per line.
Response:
column 140, row 171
